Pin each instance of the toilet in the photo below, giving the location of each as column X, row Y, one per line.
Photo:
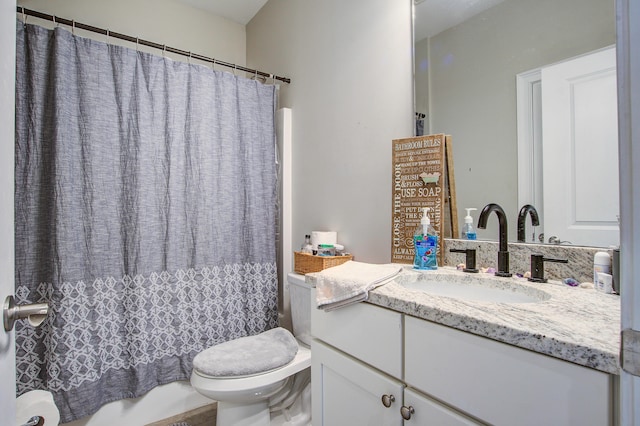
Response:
column 253, row 376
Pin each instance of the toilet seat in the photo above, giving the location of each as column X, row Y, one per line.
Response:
column 301, row 361
column 249, row 355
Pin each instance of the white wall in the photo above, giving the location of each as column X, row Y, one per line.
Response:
column 7, row 114
column 421, row 81
column 351, row 93
column 161, row 21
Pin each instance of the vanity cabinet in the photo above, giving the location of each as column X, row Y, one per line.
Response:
column 350, row 393
column 500, row 383
column 356, row 368
column 366, row 357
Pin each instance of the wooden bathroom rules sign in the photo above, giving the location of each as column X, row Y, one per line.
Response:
column 422, row 177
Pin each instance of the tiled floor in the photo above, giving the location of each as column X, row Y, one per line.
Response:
column 203, row 416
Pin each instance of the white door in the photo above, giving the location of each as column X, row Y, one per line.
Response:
column 7, row 113
column 628, row 42
column 580, row 149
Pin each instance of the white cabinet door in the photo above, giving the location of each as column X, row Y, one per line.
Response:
column 502, row 384
column 427, row 411
column 347, row 392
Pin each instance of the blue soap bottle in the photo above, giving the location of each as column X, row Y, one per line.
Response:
column 425, row 241
column 468, row 232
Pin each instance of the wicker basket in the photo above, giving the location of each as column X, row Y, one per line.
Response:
column 305, row 263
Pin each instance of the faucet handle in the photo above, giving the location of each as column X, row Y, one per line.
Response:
column 470, row 261
column 537, row 267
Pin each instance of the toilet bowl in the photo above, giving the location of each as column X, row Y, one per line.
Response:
column 246, row 399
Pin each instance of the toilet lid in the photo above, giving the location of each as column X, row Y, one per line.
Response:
column 248, row 355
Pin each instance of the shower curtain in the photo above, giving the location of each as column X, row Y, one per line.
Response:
column 145, row 215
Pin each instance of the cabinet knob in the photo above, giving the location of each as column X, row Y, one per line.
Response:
column 387, row 400
column 406, row 412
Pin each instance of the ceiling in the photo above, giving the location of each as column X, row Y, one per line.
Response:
column 240, row 11
column 431, row 16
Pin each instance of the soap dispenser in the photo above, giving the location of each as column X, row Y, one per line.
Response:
column 306, row 246
column 425, row 240
column 468, row 232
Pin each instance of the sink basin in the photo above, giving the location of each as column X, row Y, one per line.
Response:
column 476, row 287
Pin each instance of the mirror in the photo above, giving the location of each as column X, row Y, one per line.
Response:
column 467, row 57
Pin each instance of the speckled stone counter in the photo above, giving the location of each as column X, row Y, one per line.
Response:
column 575, row 324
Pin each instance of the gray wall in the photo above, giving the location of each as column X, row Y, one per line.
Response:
column 473, row 88
column 351, row 94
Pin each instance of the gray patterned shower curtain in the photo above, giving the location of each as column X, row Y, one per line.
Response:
column 145, row 215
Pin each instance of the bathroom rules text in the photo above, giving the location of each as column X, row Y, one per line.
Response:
column 419, row 170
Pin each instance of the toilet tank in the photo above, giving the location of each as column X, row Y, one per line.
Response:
column 300, row 299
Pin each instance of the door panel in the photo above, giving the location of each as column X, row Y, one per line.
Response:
column 628, row 42
column 580, row 150
column 348, row 392
column 7, row 113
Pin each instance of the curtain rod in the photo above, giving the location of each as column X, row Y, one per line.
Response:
column 164, row 48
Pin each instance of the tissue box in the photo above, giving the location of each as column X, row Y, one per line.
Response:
column 305, row 263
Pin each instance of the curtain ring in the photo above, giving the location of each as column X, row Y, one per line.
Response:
column 137, row 43
column 234, row 69
column 107, row 35
column 73, row 26
column 213, row 64
column 255, row 77
column 24, row 16
column 54, row 20
column 164, row 50
column 189, row 59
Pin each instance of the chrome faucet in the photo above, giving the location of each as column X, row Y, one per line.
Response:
column 522, row 217
column 503, row 254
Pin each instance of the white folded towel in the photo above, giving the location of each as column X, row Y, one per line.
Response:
column 350, row 282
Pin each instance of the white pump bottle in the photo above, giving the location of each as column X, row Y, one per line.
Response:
column 468, row 232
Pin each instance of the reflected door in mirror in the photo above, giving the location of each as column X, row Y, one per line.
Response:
column 580, row 149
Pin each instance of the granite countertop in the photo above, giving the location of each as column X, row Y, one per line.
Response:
column 579, row 325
